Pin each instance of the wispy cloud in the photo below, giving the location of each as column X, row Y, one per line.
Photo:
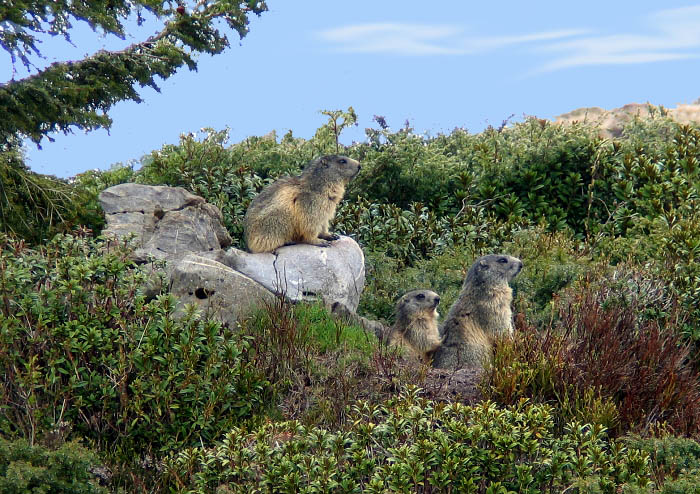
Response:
column 672, row 34
column 392, row 38
column 418, row 39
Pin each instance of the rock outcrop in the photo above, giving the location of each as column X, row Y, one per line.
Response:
column 181, row 228
column 611, row 122
column 304, row 271
column 168, row 222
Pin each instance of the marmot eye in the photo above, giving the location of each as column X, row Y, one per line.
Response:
column 343, row 161
column 503, row 260
column 420, row 296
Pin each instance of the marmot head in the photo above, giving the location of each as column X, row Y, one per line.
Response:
column 493, row 269
column 412, row 303
column 332, row 168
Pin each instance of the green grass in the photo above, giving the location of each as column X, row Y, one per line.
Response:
column 325, row 333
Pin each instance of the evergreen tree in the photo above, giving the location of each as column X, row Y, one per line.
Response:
column 67, row 95
column 79, row 94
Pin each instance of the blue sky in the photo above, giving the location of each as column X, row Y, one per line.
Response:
column 439, row 65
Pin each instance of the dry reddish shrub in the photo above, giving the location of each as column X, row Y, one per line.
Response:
column 602, row 362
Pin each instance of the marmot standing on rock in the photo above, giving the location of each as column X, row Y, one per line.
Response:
column 416, row 326
column 482, row 311
column 299, row 209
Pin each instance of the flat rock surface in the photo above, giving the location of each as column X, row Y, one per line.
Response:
column 335, row 273
column 145, row 199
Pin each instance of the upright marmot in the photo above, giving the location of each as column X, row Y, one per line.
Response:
column 481, row 312
column 299, row 209
column 416, row 327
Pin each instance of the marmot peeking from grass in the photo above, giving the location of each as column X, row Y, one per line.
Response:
column 416, row 326
column 299, row 209
column 482, row 311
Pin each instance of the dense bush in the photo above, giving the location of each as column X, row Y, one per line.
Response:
column 424, row 207
column 603, row 362
column 411, row 444
column 675, row 463
column 29, row 469
column 418, row 196
column 83, row 353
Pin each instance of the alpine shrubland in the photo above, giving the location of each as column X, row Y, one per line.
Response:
column 599, row 390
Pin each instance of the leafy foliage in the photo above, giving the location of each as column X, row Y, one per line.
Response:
column 420, row 201
column 85, row 354
column 675, row 462
column 607, row 327
column 36, row 207
column 26, row 468
column 411, row 444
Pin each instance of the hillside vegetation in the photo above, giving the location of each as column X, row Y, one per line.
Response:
column 599, row 391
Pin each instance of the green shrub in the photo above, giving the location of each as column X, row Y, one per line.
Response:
column 552, row 262
column 417, row 233
column 26, row 469
column 539, row 171
column 401, row 168
column 386, row 281
column 82, row 346
column 420, row 198
column 412, row 445
column 675, row 463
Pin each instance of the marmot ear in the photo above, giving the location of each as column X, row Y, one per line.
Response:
column 484, row 265
column 325, row 162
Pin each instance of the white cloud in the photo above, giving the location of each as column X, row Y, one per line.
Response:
column 675, row 35
column 393, row 38
column 672, row 34
column 417, row 39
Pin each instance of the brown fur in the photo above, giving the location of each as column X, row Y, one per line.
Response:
column 299, row 209
column 416, row 326
column 482, row 311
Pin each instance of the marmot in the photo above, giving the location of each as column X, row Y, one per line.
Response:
column 481, row 312
column 416, row 326
column 299, row 209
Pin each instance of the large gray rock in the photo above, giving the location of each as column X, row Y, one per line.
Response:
column 217, row 289
column 168, row 222
column 335, row 273
column 172, row 224
column 145, row 199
